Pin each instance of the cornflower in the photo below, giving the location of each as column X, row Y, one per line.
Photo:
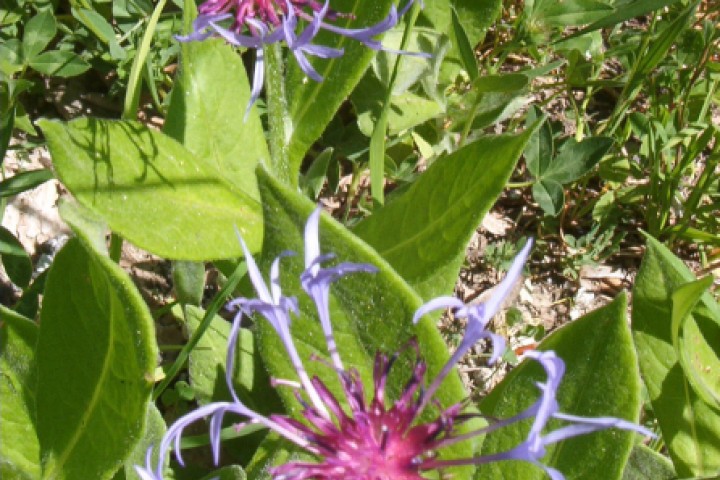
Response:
column 258, row 23
column 359, row 437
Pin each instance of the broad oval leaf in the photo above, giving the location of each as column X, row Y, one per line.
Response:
column 601, row 379
column 424, row 233
column 19, row 448
column 96, row 356
column 152, row 190
column 689, row 425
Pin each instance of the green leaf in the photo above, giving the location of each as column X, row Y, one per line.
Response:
column 96, row 357
column 491, row 99
column 100, row 27
column 232, row 472
column 447, row 202
column 206, row 115
column 406, row 110
column 7, row 122
column 39, row 30
column 11, row 60
column 623, row 12
column 475, row 17
column 24, row 181
column 155, row 429
column 689, row 425
column 209, row 358
column 465, row 49
column 188, row 281
column 658, row 50
column 601, row 379
column 550, row 196
column 19, row 448
column 369, row 313
column 59, row 63
column 152, row 190
column 569, row 12
column 314, row 179
column 693, row 343
column 311, row 105
column 539, row 150
column 575, row 159
column 647, row 464
column 15, row 259
column 85, row 224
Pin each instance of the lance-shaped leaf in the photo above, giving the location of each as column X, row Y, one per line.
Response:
column 96, row 356
column 689, row 425
column 424, row 233
column 601, row 380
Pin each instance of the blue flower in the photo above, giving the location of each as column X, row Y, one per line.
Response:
column 367, row 437
column 258, row 23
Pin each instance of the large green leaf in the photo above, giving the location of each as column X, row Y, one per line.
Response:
column 96, row 355
column 424, row 233
column 369, row 313
column 601, row 379
column 299, row 108
column 152, row 190
column 206, row 114
column 690, row 427
column 19, row 448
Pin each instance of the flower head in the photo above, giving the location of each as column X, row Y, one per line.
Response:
column 258, row 23
column 362, row 435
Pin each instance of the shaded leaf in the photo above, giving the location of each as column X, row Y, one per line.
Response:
column 96, row 351
column 19, row 447
column 59, row 63
column 15, row 259
column 24, row 181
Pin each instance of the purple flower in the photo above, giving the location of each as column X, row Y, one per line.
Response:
column 364, row 436
column 257, row 23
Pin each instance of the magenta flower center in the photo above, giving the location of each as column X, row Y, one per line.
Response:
column 368, row 441
column 269, row 12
